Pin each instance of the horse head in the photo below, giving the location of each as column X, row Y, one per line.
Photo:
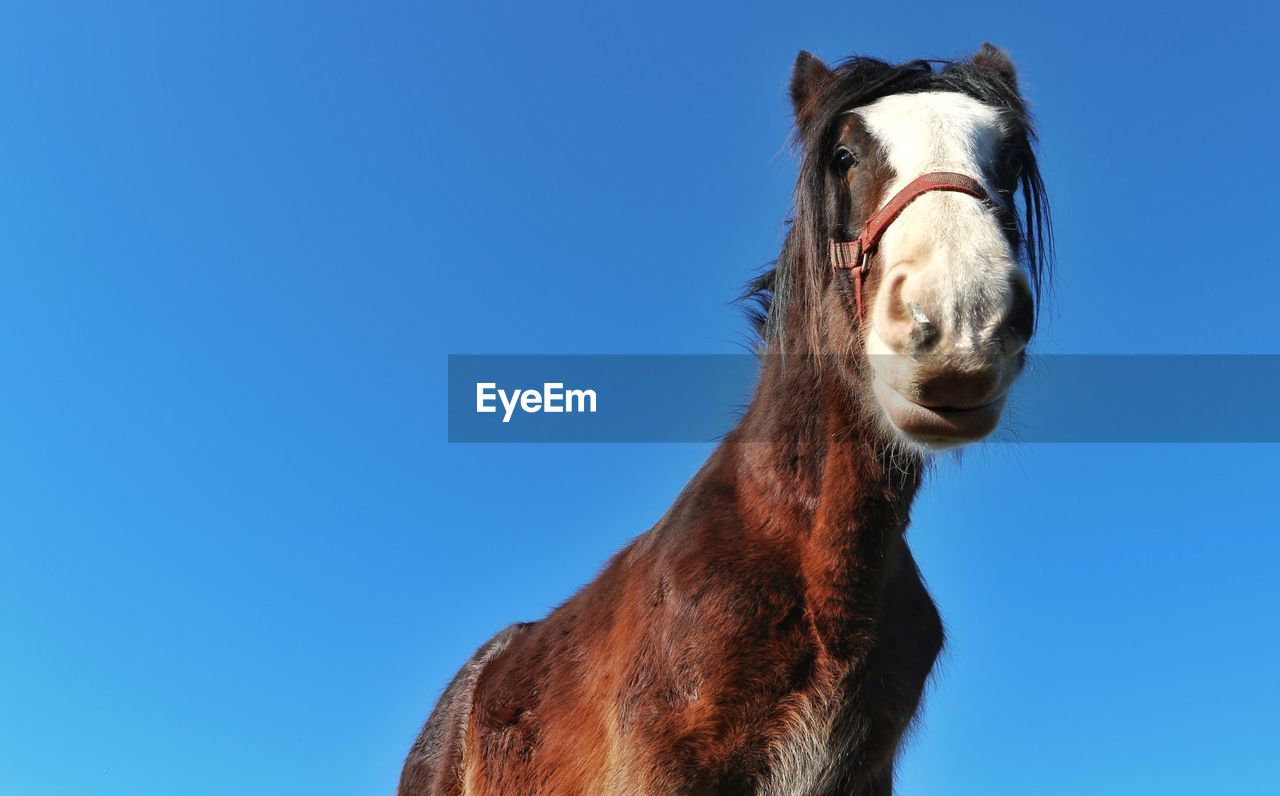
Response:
column 919, row 242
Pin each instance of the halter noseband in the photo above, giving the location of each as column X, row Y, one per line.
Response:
column 855, row 255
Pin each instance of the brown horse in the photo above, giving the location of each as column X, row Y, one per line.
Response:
column 771, row 634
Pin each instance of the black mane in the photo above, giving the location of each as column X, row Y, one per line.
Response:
column 861, row 81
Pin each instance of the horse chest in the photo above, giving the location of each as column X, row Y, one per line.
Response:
column 845, row 733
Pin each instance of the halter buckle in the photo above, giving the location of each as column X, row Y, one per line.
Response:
column 847, row 255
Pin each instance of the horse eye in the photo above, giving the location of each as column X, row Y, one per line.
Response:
column 1013, row 165
column 845, row 160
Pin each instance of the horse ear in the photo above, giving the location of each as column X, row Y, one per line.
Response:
column 994, row 59
column 809, row 77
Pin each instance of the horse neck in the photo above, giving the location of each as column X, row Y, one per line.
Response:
column 808, row 446
column 811, row 471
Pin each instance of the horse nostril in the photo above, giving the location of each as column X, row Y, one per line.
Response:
column 924, row 334
column 1020, row 320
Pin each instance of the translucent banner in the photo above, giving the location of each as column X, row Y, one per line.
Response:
column 698, row 398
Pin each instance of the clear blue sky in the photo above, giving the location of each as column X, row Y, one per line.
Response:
column 239, row 239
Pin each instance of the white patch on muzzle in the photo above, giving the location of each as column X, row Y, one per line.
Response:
column 951, row 244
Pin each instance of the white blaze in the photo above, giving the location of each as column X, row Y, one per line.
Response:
column 961, row 259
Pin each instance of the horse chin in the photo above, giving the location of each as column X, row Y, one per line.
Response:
column 934, row 429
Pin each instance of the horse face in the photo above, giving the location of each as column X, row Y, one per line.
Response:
column 950, row 310
column 946, row 311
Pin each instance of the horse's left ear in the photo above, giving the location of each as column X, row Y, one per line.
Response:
column 809, row 77
column 994, row 59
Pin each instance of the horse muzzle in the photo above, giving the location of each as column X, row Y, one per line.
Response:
column 935, row 424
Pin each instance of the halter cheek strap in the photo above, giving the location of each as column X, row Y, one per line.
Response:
column 855, row 255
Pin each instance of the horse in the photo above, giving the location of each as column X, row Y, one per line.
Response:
column 771, row 634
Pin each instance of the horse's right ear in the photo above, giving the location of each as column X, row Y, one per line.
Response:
column 809, row 77
column 994, row 59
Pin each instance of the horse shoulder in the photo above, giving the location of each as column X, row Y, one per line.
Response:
column 434, row 766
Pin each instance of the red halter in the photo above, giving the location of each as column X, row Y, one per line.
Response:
column 855, row 255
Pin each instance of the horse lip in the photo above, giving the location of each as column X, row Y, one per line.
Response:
column 942, row 425
column 944, row 409
column 952, row 411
